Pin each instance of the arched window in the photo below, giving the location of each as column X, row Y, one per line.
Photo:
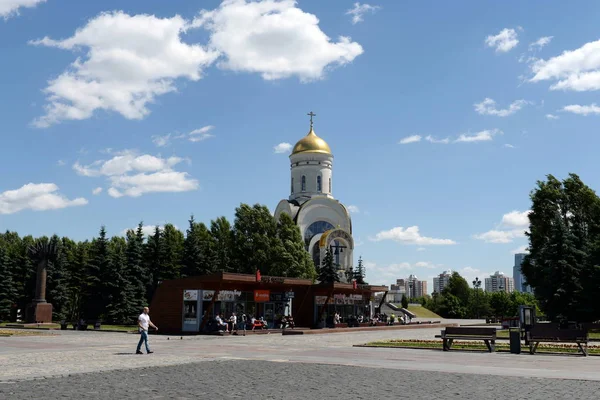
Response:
column 292, row 185
column 330, row 185
column 303, row 183
column 319, row 189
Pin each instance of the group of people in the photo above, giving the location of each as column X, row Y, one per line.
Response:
column 391, row 319
column 232, row 324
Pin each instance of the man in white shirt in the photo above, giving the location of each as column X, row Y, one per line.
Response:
column 143, row 324
column 233, row 322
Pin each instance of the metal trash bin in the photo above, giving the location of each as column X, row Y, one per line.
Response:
column 515, row 340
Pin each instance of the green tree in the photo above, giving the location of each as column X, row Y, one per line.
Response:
column 564, row 245
column 120, row 291
column 8, row 292
column 328, row 272
column 292, row 258
column 359, row 273
column 222, row 236
column 198, row 250
column 137, row 273
column 404, row 301
column 58, row 277
column 458, row 287
column 95, row 295
column 253, row 231
column 500, row 304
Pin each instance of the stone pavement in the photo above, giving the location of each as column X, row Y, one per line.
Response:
column 62, row 353
column 271, row 380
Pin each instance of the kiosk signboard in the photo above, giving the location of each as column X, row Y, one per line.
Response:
column 261, row 296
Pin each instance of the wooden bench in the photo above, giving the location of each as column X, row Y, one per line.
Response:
column 488, row 335
column 550, row 333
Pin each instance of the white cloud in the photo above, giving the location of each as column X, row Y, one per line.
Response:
column 161, row 141
column 61, row 163
column 427, row 264
column 275, row 39
column 197, row 135
column 582, row 110
column 9, row 8
column 488, row 107
column 200, row 134
column 353, row 209
column 127, row 62
column 516, row 219
column 540, row 43
column 512, row 226
column 147, row 230
column 521, row 249
column 410, row 235
column 508, row 145
column 282, row 148
column 499, row 236
column 36, row 197
column 551, row 116
column 97, row 191
column 421, row 249
column 577, row 70
column 431, row 139
column 483, row 136
column 359, row 10
column 132, row 175
column 503, row 41
column 410, row 139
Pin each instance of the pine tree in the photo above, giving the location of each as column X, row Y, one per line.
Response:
column 8, row 293
column 404, row 301
column 359, row 273
column 120, row 290
column 136, row 273
column 172, row 253
column 328, row 272
column 96, row 293
column 58, row 278
column 154, row 255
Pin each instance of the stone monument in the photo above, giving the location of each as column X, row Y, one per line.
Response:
column 40, row 311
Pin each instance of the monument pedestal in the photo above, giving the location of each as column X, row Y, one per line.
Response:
column 39, row 312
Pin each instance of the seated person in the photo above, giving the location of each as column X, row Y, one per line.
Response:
column 221, row 323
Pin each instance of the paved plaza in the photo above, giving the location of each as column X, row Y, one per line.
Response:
column 65, row 364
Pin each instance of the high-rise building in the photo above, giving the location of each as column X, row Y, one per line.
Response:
column 499, row 282
column 520, row 283
column 415, row 287
column 441, row 281
column 396, row 291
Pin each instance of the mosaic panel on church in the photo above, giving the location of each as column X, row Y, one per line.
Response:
column 314, row 229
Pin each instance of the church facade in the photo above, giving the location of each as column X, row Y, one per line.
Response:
column 324, row 222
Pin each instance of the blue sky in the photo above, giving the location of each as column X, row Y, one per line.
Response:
column 441, row 116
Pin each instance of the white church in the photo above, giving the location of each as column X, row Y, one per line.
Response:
column 324, row 222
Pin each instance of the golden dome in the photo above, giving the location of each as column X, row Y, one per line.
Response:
column 311, row 143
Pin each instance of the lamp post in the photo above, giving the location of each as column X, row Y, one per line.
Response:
column 476, row 286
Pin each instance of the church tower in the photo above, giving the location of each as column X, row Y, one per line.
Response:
column 324, row 222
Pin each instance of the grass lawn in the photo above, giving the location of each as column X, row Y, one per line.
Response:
column 504, row 334
column 422, row 312
column 15, row 332
column 475, row 346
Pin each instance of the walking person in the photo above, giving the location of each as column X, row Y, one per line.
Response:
column 143, row 324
